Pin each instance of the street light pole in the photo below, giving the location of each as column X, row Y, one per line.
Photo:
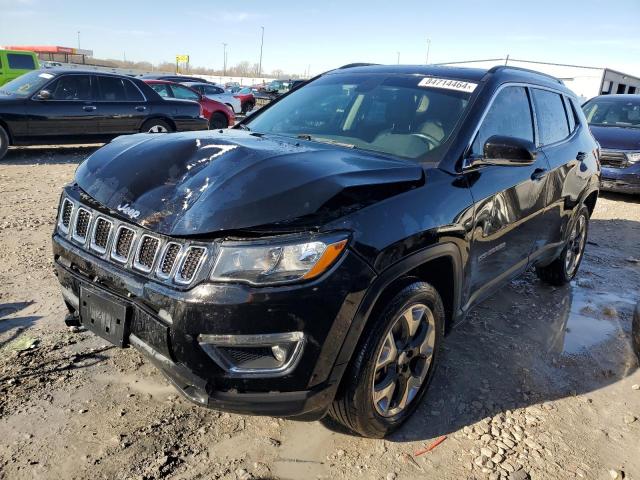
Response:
column 398, row 57
column 428, row 48
column 224, row 59
column 78, row 39
column 261, row 44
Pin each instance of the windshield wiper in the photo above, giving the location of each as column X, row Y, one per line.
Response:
column 306, row 136
column 244, row 127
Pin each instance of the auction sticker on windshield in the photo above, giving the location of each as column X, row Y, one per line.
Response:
column 448, row 84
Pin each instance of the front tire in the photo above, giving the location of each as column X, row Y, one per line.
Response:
column 4, row 142
column 218, row 120
column 155, row 125
column 393, row 364
column 562, row 270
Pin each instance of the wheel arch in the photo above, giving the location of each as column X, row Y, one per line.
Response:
column 5, row 125
column 439, row 265
column 164, row 118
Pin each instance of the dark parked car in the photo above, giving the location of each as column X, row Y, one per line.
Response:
column 61, row 107
column 312, row 259
column 615, row 123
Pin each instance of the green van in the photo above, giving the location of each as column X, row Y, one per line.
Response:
column 14, row 63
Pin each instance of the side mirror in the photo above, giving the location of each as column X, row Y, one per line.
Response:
column 506, row 151
column 44, row 95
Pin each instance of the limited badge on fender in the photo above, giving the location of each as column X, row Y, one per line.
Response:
column 448, row 84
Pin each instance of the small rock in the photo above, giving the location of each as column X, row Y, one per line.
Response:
column 629, row 419
column 635, row 387
column 486, row 452
column 610, row 311
column 82, row 410
column 519, row 475
column 340, row 453
column 391, row 476
column 242, row 474
column 497, row 458
column 633, row 260
column 580, row 472
column 616, row 474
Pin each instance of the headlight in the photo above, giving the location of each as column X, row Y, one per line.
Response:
column 633, row 157
column 277, row 262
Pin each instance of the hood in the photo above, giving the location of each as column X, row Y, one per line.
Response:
column 617, row 138
column 203, row 182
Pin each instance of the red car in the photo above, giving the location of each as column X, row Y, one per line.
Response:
column 218, row 114
column 246, row 97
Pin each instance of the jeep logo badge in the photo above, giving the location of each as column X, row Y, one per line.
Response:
column 129, row 211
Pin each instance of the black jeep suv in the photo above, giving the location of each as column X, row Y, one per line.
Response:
column 312, row 259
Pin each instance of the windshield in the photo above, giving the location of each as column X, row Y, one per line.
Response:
column 389, row 114
column 27, row 84
column 613, row 112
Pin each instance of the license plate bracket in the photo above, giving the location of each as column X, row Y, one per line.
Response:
column 105, row 315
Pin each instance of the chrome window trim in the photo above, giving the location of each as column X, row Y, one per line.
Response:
column 176, row 262
column 137, row 265
column 74, row 236
column 92, row 243
column 114, row 255
column 177, row 277
column 528, row 86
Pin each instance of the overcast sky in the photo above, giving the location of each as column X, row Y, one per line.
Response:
column 325, row 34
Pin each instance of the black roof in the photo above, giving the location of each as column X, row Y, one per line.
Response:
column 506, row 73
column 59, row 71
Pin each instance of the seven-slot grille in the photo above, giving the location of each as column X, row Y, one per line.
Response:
column 101, row 232
column 170, row 261
column 65, row 214
column 83, row 218
column 612, row 158
column 190, row 264
column 122, row 247
column 147, row 251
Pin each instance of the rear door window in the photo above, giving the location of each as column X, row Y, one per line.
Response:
column 551, row 117
column 509, row 115
column 114, row 89
column 133, row 92
column 71, row 87
column 20, row 61
column 161, row 89
column 184, row 93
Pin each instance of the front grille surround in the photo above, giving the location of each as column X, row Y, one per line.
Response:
column 65, row 216
column 116, row 254
column 190, row 264
column 114, row 249
column 81, row 225
column 613, row 158
column 100, row 239
column 146, row 253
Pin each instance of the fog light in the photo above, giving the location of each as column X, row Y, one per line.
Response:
column 266, row 355
column 279, row 353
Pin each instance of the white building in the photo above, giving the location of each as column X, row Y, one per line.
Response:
column 586, row 82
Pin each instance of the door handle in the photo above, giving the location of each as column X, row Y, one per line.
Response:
column 140, row 108
column 89, row 108
column 539, row 174
column 581, row 156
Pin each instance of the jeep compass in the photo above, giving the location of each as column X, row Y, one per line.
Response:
column 312, row 259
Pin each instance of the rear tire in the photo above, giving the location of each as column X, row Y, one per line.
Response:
column 392, row 367
column 218, row 120
column 156, row 125
column 562, row 270
column 4, row 142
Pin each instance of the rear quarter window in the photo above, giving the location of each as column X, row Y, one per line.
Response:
column 550, row 116
column 19, row 61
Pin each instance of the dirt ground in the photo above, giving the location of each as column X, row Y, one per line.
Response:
column 540, row 382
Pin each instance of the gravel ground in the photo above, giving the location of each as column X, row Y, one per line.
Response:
column 539, row 383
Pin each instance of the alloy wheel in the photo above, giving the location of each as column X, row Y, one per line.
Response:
column 158, row 129
column 575, row 246
column 404, row 360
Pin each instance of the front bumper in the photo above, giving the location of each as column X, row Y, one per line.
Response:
column 166, row 324
column 622, row 180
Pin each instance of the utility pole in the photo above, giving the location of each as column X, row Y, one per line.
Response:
column 78, row 39
column 261, row 44
column 224, row 68
column 428, row 48
column 398, row 57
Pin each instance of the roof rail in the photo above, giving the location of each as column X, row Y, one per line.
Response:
column 352, row 65
column 499, row 68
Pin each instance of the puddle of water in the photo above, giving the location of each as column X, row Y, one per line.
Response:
column 592, row 319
